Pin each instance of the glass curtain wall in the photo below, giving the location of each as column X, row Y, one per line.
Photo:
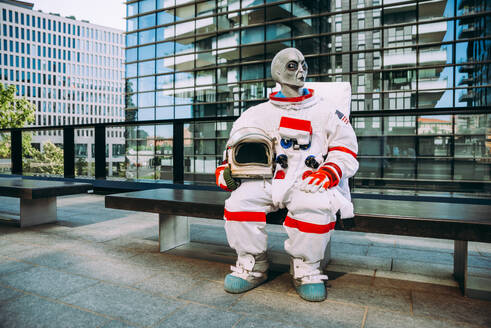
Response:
column 419, row 72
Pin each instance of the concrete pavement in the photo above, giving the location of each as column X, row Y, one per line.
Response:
column 100, row 267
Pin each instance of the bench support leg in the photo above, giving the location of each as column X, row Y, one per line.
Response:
column 37, row 211
column 173, row 231
column 460, row 263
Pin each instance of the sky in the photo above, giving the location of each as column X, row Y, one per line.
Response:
column 101, row 12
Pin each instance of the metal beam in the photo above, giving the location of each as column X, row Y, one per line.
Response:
column 16, row 151
column 178, row 153
column 69, row 152
column 100, row 151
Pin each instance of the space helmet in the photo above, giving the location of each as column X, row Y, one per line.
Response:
column 250, row 153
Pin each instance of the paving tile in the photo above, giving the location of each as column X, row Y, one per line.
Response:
column 384, row 319
column 46, row 282
column 7, row 294
column 458, row 309
column 132, row 306
column 203, row 269
column 135, row 244
column 98, row 250
column 338, row 279
column 297, row 312
column 250, row 321
column 29, row 237
column 195, row 315
column 12, row 249
column 278, row 282
column 8, row 266
column 387, row 298
column 407, row 281
column 117, row 324
column 210, row 293
column 32, row 311
column 168, row 283
column 50, row 257
column 111, row 271
column 161, row 261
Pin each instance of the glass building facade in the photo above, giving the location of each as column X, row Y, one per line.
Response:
column 419, row 72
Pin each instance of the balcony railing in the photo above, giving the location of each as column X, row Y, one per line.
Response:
column 418, row 171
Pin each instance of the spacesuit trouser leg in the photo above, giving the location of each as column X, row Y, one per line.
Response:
column 245, row 217
column 308, row 224
column 245, row 223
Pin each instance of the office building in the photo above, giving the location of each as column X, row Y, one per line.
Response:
column 418, row 71
column 71, row 70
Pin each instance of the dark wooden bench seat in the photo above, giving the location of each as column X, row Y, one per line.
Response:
column 38, row 197
column 454, row 221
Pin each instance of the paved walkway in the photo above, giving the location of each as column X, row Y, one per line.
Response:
column 98, row 267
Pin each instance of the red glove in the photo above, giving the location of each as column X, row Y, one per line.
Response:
column 324, row 178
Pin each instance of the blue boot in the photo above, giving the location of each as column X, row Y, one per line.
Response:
column 312, row 292
column 250, row 271
column 308, row 280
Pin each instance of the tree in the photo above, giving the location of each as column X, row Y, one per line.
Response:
column 14, row 112
column 17, row 112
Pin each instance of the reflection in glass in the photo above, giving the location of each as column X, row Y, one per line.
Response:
column 165, row 17
column 5, row 160
column 146, row 21
column 441, row 124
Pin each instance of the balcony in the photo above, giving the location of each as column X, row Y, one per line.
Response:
column 432, row 32
column 436, row 57
column 467, row 81
column 467, row 97
column 467, row 31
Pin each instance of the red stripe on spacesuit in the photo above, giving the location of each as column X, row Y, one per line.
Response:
column 308, row 227
column 295, row 124
column 336, row 167
column 291, row 99
column 245, row 216
column 343, row 149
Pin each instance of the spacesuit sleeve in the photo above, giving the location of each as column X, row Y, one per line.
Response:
column 342, row 148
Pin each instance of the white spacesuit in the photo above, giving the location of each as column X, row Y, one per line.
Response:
column 315, row 149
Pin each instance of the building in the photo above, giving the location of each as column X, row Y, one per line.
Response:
column 71, row 70
column 411, row 108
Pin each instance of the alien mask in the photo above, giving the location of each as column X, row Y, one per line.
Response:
column 289, row 67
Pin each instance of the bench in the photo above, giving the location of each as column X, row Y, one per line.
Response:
column 454, row 221
column 38, row 197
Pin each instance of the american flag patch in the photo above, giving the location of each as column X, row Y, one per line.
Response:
column 342, row 117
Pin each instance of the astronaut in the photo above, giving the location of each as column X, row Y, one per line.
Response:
column 301, row 153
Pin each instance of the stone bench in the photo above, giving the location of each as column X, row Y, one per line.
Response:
column 454, row 221
column 38, row 197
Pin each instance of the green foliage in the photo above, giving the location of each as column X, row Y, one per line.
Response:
column 49, row 161
column 14, row 112
column 17, row 113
